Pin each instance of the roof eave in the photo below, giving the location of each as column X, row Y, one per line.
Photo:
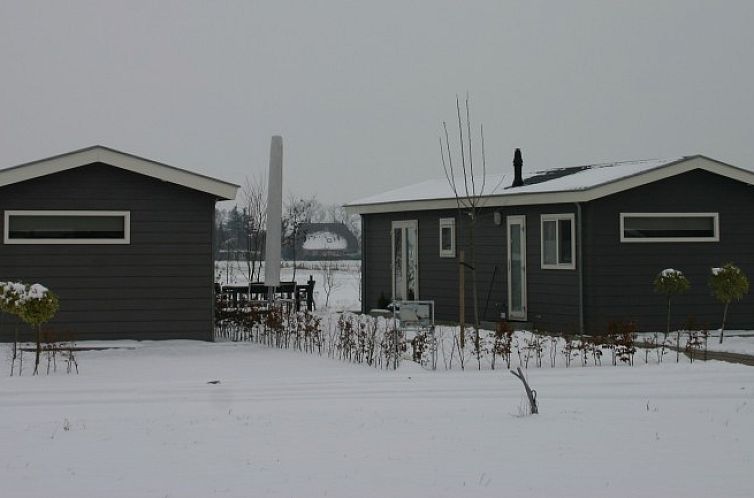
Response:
column 220, row 189
column 674, row 168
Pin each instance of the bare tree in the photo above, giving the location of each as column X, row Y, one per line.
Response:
column 469, row 189
column 254, row 199
column 298, row 211
column 328, row 268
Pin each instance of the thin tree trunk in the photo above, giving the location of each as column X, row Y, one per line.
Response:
column 15, row 352
column 472, row 265
column 474, row 296
column 722, row 327
column 462, row 298
column 667, row 330
column 39, row 348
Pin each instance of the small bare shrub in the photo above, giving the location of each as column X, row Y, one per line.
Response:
column 625, row 340
column 502, row 343
column 570, row 349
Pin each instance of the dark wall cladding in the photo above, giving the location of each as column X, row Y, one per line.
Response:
column 157, row 287
column 552, row 294
column 619, row 276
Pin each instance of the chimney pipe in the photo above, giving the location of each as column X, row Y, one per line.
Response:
column 518, row 165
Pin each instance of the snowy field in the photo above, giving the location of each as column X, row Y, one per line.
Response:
column 145, row 422
column 344, row 283
column 143, row 419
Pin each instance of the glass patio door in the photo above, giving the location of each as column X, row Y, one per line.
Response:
column 516, row 267
column 405, row 267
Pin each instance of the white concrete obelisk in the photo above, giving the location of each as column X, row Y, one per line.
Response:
column 274, row 215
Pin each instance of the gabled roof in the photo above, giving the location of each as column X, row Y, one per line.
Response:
column 98, row 153
column 573, row 184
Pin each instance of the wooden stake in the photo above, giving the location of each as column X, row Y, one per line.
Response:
column 462, row 297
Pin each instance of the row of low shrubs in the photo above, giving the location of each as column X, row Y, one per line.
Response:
column 619, row 344
column 381, row 343
column 348, row 337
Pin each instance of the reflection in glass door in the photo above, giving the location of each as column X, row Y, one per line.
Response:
column 405, row 267
column 516, row 267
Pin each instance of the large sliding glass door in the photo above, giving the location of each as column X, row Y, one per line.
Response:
column 405, row 267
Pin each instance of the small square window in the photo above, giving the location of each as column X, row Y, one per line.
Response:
column 558, row 242
column 447, row 237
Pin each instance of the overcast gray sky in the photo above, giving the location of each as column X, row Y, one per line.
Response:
column 359, row 89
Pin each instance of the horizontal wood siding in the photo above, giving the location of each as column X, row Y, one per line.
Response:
column 552, row 294
column 157, row 287
column 619, row 276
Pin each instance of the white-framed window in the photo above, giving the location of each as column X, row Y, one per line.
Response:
column 447, row 237
column 558, row 241
column 405, row 260
column 67, row 227
column 669, row 227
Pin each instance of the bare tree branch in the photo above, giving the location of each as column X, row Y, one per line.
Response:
column 463, row 153
column 471, row 155
column 484, row 161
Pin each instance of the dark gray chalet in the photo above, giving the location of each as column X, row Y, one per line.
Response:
column 569, row 249
column 125, row 242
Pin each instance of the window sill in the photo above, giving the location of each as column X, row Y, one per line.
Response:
column 558, row 267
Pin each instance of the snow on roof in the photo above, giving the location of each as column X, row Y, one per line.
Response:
column 586, row 177
column 569, row 179
column 324, row 241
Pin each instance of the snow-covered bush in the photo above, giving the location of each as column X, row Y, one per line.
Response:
column 728, row 284
column 36, row 307
column 670, row 282
column 10, row 294
column 34, row 304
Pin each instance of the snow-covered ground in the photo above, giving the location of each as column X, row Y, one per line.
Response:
column 145, row 422
column 734, row 341
column 733, row 344
column 142, row 419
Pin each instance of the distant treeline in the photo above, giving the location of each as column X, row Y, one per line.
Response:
column 241, row 230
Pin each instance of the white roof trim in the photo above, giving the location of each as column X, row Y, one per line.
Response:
column 223, row 190
column 510, row 198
